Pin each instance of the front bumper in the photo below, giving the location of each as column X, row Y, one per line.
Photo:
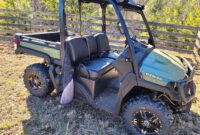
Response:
column 187, row 87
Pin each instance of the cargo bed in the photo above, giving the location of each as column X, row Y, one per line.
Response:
column 44, row 45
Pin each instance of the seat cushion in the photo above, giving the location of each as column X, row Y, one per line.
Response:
column 111, row 55
column 78, row 49
column 103, row 47
column 102, row 42
column 95, row 68
column 92, row 45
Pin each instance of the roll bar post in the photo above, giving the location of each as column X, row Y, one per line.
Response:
column 103, row 9
column 63, row 32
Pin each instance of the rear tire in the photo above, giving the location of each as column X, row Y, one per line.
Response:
column 37, row 80
column 148, row 116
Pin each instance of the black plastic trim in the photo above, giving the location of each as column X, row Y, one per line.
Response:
column 155, row 87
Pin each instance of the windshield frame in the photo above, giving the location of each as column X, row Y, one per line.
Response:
column 127, row 35
column 151, row 38
column 144, row 19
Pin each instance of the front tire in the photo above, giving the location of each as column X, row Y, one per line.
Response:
column 148, row 116
column 37, row 80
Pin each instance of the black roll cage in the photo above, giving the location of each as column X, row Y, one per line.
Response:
column 103, row 4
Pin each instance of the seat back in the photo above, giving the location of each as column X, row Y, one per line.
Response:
column 102, row 42
column 92, row 45
column 78, row 49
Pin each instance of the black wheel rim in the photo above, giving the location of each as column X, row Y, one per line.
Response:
column 34, row 82
column 147, row 123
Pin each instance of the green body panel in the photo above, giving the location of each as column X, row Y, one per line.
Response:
column 53, row 53
column 161, row 68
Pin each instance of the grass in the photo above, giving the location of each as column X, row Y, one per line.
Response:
column 21, row 113
column 6, row 125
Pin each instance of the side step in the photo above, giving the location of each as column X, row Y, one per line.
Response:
column 107, row 100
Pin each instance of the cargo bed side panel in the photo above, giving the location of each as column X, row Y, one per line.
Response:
column 50, row 51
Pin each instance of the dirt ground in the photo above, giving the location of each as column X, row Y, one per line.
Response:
column 21, row 113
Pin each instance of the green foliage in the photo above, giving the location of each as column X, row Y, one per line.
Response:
column 51, row 5
column 183, row 12
column 15, row 4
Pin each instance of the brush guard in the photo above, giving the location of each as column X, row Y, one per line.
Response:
column 187, row 87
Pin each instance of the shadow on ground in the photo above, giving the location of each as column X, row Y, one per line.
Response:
column 77, row 118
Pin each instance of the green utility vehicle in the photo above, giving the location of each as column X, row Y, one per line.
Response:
column 143, row 84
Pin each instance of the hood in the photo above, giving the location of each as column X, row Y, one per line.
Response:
column 161, row 68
